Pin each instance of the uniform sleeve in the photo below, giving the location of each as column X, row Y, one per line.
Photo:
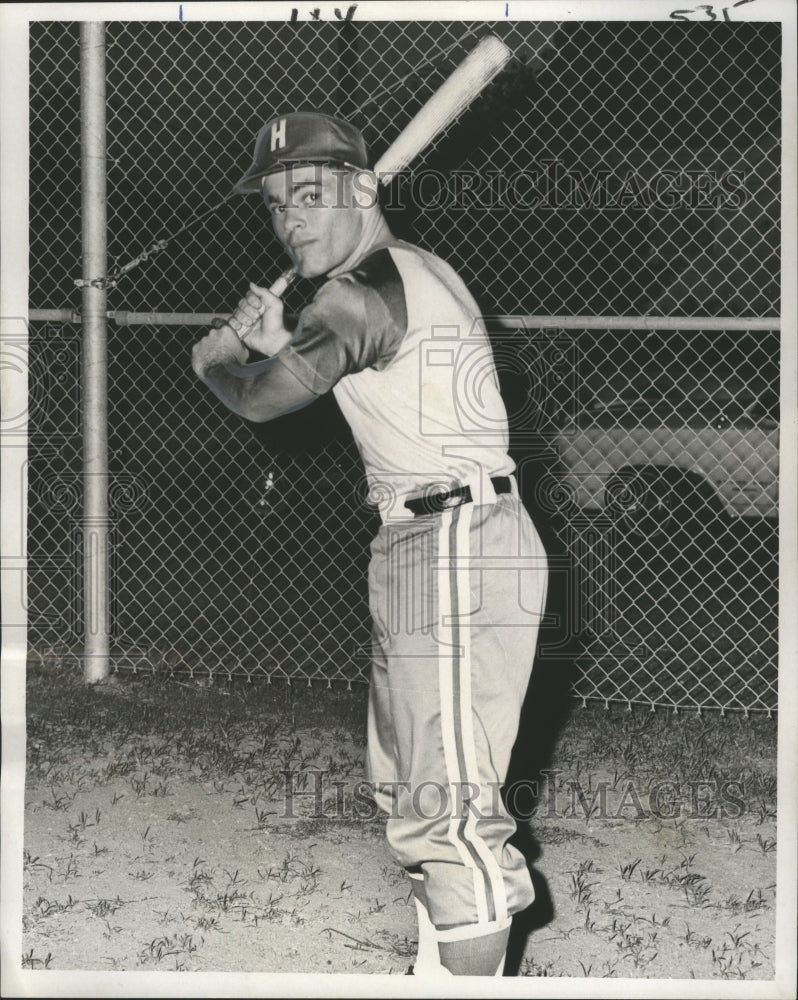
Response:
column 349, row 326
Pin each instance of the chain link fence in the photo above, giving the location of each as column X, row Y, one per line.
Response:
column 612, row 170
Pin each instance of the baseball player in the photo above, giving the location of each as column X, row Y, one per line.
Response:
column 457, row 576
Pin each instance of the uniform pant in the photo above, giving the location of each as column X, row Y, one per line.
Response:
column 456, row 601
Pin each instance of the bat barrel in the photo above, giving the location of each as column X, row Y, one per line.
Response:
column 472, row 75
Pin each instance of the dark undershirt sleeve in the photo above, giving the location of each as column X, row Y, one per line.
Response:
column 355, row 321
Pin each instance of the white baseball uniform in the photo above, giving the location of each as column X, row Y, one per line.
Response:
column 457, row 583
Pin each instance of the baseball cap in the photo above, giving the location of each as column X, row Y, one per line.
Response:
column 302, row 137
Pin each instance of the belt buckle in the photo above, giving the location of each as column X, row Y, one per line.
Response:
column 454, row 498
column 436, row 503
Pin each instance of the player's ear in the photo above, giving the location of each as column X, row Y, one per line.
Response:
column 364, row 188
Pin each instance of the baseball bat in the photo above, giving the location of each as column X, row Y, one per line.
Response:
column 448, row 102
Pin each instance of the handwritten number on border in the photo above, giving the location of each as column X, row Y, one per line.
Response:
column 706, row 11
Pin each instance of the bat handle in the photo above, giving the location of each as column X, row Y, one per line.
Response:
column 281, row 284
column 278, row 288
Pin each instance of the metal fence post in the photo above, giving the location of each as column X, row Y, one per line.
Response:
column 94, row 376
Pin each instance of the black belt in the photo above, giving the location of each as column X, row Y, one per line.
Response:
column 435, row 503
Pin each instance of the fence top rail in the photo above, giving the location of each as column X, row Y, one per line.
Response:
column 125, row 318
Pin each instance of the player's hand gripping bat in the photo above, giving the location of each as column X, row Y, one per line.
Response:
column 454, row 95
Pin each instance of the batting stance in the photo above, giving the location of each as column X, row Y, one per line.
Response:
column 457, row 576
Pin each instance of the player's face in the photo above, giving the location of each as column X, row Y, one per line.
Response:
column 314, row 216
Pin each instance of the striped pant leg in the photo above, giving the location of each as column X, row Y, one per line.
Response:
column 451, row 668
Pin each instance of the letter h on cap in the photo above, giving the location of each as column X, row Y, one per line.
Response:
column 278, row 135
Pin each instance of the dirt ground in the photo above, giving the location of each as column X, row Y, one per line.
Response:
column 220, row 845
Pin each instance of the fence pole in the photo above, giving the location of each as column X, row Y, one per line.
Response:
column 94, row 376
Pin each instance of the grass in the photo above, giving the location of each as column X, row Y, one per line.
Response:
column 655, row 836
